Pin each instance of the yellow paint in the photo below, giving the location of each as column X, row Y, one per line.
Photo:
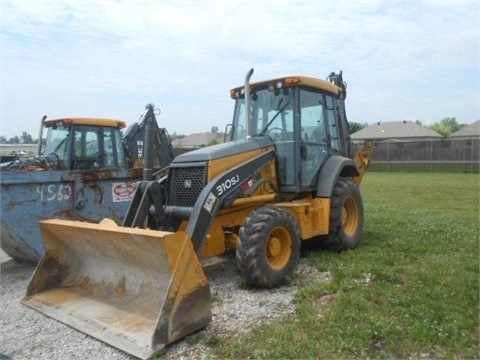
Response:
column 218, row 166
column 215, row 242
column 350, row 216
column 228, row 220
column 88, row 121
column 312, row 215
column 294, row 81
column 181, row 258
column 250, row 200
column 187, row 277
column 279, row 247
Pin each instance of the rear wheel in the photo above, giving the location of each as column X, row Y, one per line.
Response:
column 268, row 248
column 346, row 216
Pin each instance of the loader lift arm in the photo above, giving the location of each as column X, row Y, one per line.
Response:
column 213, row 197
column 148, row 199
column 147, row 195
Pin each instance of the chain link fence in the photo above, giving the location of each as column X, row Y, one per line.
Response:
column 450, row 155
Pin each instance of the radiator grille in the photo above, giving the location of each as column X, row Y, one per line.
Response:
column 186, row 185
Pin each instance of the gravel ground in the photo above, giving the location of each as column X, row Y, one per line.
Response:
column 28, row 334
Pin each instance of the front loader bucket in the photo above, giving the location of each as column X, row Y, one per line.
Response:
column 135, row 289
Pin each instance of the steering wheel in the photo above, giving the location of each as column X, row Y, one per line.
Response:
column 274, row 136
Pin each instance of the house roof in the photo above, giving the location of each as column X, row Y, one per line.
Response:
column 472, row 130
column 404, row 129
column 197, row 140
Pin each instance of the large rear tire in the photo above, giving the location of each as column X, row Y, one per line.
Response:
column 268, row 248
column 346, row 216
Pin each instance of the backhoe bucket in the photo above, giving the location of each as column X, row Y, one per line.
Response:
column 135, row 289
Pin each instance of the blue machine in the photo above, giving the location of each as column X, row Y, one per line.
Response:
column 88, row 171
column 27, row 197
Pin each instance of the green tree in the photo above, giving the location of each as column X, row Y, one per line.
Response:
column 26, row 138
column 175, row 136
column 214, row 130
column 447, row 126
column 14, row 140
column 354, row 127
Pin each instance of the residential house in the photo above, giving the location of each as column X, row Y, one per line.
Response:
column 198, row 140
column 394, row 131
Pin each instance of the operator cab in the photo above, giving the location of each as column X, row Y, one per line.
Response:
column 85, row 144
column 304, row 117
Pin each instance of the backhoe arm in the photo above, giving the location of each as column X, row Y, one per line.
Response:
column 362, row 160
column 156, row 141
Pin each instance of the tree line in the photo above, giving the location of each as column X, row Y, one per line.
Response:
column 445, row 127
column 25, row 138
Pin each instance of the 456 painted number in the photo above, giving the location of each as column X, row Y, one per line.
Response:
column 54, row 192
column 227, row 184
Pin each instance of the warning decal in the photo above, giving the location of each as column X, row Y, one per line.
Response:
column 123, row 191
column 211, row 203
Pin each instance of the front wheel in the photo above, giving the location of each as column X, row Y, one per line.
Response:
column 346, row 216
column 268, row 248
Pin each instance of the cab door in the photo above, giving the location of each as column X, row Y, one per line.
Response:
column 313, row 136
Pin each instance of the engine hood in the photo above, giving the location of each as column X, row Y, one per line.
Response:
column 223, row 150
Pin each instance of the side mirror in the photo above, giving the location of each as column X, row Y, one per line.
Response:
column 303, row 151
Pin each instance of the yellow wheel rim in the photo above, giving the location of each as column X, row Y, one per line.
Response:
column 350, row 216
column 279, row 248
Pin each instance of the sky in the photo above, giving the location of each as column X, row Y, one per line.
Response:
column 402, row 60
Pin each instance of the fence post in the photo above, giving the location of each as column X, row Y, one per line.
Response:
column 431, row 155
column 388, row 155
column 471, row 155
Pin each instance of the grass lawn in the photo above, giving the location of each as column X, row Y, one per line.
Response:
column 410, row 290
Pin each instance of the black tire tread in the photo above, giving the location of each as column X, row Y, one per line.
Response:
column 337, row 239
column 251, row 252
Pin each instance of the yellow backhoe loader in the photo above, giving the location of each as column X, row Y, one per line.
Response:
column 287, row 174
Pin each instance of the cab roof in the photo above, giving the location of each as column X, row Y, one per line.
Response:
column 296, row 81
column 87, row 121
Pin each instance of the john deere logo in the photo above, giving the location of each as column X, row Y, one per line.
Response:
column 187, row 184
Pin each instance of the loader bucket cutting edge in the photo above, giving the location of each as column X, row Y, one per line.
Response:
column 136, row 289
